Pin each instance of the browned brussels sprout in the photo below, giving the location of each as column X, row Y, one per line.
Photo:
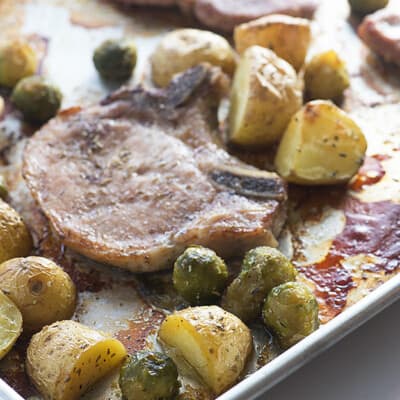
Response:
column 37, row 99
column 115, row 60
column 263, row 268
column 291, row 312
column 200, row 275
column 149, row 376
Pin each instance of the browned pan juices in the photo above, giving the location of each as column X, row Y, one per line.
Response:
column 344, row 240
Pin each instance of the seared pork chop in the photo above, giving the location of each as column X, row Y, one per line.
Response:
column 380, row 32
column 134, row 181
column 224, row 15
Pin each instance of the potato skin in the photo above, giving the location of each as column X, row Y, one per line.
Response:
column 15, row 239
column 322, row 145
column 64, row 359
column 43, row 292
column 288, row 37
column 185, row 48
column 326, row 77
column 266, row 93
column 214, row 342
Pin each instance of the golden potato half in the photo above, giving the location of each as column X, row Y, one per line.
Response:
column 40, row 288
column 266, row 93
column 10, row 324
column 66, row 358
column 214, row 342
column 15, row 239
column 185, row 48
column 322, row 145
column 288, row 37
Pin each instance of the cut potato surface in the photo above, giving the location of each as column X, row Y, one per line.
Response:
column 66, row 358
column 10, row 324
column 214, row 342
column 287, row 36
column 266, row 93
column 322, row 145
column 43, row 292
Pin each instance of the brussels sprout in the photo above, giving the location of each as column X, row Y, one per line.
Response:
column 367, row 6
column 200, row 275
column 291, row 312
column 17, row 61
column 149, row 376
column 326, row 76
column 263, row 269
column 37, row 99
column 115, row 60
column 3, row 188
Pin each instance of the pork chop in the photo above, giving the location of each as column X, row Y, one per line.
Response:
column 224, row 15
column 380, row 32
column 132, row 182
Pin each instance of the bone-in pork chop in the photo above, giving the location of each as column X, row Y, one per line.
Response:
column 134, row 181
column 224, row 15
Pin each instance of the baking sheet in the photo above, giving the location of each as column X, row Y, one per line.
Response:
column 65, row 33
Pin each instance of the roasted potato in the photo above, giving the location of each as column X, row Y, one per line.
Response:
column 200, row 276
column 10, row 324
column 291, row 312
column 214, row 342
column 266, row 93
column 43, row 292
column 66, row 358
column 322, row 145
column 326, row 77
column 17, row 60
column 288, row 37
column 185, row 48
column 15, row 239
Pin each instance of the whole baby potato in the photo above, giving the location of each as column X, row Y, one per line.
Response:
column 288, row 37
column 42, row 291
column 15, row 239
column 266, row 93
column 185, row 48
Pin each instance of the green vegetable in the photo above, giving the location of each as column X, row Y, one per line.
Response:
column 37, row 99
column 149, row 376
column 200, row 275
column 115, row 60
column 3, row 187
column 367, row 6
column 17, row 61
column 263, row 269
column 291, row 312
column 326, row 77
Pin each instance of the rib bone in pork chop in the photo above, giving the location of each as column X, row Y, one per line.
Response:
column 134, row 181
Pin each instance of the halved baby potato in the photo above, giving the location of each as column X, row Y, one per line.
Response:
column 288, row 37
column 214, row 342
column 185, row 48
column 322, row 145
column 266, row 93
column 10, row 324
column 66, row 358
